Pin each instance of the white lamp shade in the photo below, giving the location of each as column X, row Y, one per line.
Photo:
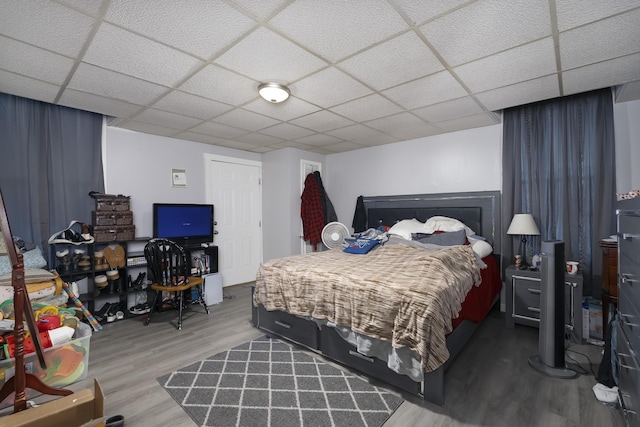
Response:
column 274, row 92
column 523, row 224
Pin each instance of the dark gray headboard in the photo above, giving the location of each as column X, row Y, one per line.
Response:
column 480, row 210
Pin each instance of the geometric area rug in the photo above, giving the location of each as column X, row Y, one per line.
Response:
column 266, row 382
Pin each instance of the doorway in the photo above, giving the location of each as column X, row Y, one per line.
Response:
column 234, row 188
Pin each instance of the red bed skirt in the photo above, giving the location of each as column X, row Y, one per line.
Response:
column 480, row 298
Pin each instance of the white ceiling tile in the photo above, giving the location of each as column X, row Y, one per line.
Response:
column 286, row 111
column 521, row 93
column 596, row 42
column 25, row 87
column 449, row 109
column 287, row 131
column 341, row 147
column 191, row 105
column 290, row 144
column 90, row 7
column 353, row 132
column 99, row 81
column 244, row 119
column 415, row 132
column 628, row 92
column 265, row 56
column 258, row 139
column 329, row 87
column 396, row 122
column 318, row 140
column 334, row 28
column 33, row 62
column 426, row 91
column 485, row 27
column 122, row 51
column 255, row 149
column 239, row 145
column 97, row 104
column 396, row 61
column 572, row 13
column 166, row 119
column 261, row 9
column 148, row 128
column 525, row 62
column 367, row 108
column 199, row 137
column 201, row 31
column 219, row 130
column 419, row 11
column 602, row 74
column 373, row 140
column 222, row 85
column 45, row 24
column 469, row 122
column 322, row 121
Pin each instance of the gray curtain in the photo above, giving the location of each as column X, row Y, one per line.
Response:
column 51, row 159
column 559, row 165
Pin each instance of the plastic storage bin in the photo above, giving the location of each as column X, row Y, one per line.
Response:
column 66, row 363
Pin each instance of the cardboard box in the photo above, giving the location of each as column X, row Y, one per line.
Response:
column 82, row 408
column 66, row 363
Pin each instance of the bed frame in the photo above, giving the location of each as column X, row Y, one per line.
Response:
column 479, row 210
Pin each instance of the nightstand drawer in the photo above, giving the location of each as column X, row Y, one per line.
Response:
column 526, row 297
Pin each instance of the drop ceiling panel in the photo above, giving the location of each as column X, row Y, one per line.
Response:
column 90, row 7
column 525, row 62
column 337, row 28
column 222, row 85
column 199, row 137
column 603, row 74
column 628, row 92
column 15, row 84
column 595, row 42
column 159, row 64
column 99, row 81
column 398, row 60
column 416, row 132
column 353, row 132
column 426, row 91
column 261, row 9
column 220, row 130
column 287, row 131
column 572, row 14
column 455, row 108
column 50, row 25
column 285, row 111
column 30, row 61
column 469, row 122
column 373, row 140
column 396, row 122
column 367, row 108
column 322, row 121
column 110, row 107
column 166, row 119
column 258, row 139
column 341, row 147
column 329, row 87
column 519, row 94
column 487, row 27
column 266, row 56
column 191, row 105
column 244, row 119
column 318, row 140
column 201, row 31
column 419, row 11
column 148, row 128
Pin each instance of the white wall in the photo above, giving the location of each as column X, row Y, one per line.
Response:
column 139, row 165
column 468, row 160
column 281, row 200
column 627, row 131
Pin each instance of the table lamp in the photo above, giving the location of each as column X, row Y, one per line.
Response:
column 523, row 225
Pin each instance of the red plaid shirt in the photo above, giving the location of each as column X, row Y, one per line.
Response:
column 311, row 211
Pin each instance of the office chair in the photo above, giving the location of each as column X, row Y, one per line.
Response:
column 167, row 265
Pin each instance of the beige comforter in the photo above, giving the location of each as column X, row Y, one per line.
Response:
column 397, row 293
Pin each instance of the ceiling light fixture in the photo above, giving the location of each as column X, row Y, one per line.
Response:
column 274, row 92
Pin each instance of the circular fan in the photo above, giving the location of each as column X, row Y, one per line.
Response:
column 333, row 234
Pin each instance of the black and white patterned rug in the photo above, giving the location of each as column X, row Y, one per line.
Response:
column 267, row 382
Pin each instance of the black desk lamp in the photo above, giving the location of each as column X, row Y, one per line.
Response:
column 524, row 225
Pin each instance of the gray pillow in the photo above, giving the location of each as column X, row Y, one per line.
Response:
column 451, row 238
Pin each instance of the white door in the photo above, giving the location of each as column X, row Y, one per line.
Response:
column 306, row 167
column 235, row 192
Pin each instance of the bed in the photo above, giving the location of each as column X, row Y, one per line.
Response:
column 381, row 324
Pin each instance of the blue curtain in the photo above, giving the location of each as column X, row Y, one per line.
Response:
column 51, row 160
column 559, row 166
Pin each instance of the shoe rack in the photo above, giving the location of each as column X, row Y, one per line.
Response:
column 108, row 275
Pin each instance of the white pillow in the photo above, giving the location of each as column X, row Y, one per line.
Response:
column 443, row 223
column 481, row 247
column 405, row 227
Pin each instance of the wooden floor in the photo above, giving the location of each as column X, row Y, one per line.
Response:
column 490, row 384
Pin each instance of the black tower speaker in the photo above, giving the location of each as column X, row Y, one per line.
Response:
column 550, row 361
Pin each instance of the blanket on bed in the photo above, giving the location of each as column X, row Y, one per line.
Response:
column 400, row 294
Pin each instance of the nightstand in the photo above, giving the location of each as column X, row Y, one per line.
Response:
column 523, row 300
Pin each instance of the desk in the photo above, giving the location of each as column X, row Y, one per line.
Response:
column 609, row 278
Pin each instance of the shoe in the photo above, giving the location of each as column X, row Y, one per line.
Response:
column 101, row 314
column 110, row 255
column 121, row 259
